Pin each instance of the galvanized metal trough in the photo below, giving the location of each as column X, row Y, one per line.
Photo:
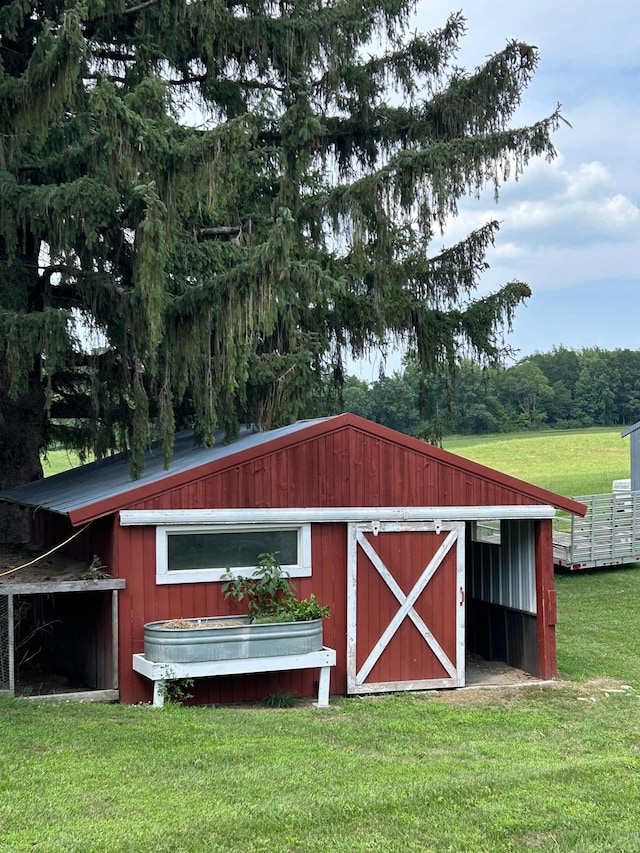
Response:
column 215, row 638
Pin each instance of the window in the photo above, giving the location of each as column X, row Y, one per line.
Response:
column 195, row 553
column 487, row 531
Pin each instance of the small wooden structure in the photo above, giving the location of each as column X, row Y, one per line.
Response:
column 59, row 619
column 423, row 556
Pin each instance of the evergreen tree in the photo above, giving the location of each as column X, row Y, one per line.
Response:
column 228, row 194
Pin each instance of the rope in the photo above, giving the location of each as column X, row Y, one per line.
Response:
column 42, row 556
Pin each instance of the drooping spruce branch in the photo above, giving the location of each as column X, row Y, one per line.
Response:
column 226, row 196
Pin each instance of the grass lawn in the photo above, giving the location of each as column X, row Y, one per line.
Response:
column 496, row 771
column 544, row 770
column 572, row 462
column 539, row 769
column 56, row 461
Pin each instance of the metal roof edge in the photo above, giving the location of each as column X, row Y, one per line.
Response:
column 145, row 491
column 630, row 429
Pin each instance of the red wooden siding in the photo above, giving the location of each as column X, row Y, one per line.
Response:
column 345, row 467
column 144, row 601
column 48, row 529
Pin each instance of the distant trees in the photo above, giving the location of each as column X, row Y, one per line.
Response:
column 562, row 388
column 526, row 390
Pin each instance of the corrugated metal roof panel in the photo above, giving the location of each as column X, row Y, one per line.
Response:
column 109, row 478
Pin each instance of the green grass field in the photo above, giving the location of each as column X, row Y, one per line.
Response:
column 56, row 461
column 536, row 769
column 569, row 462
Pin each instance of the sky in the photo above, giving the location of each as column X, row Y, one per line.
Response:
column 569, row 228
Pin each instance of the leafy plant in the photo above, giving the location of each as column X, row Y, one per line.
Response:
column 292, row 610
column 270, row 594
column 173, row 690
column 284, row 699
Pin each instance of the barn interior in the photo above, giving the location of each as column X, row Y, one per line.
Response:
column 501, row 608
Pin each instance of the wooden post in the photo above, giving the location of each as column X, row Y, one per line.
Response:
column 11, row 632
column 114, row 639
column 323, row 688
column 546, row 600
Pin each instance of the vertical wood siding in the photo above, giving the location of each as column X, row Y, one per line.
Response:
column 48, row 529
column 144, row 601
column 343, row 467
column 546, row 595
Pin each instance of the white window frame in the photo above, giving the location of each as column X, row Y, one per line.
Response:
column 302, row 569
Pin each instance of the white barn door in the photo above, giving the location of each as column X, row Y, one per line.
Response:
column 405, row 606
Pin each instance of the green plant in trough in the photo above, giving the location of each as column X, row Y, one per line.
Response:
column 270, row 594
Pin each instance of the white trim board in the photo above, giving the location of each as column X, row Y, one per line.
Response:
column 299, row 515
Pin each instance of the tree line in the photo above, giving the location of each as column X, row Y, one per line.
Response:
column 560, row 389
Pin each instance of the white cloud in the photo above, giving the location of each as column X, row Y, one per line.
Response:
column 581, row 207
column 587, row 210
column 507, row 251
column 589, row 179
column 571, row 226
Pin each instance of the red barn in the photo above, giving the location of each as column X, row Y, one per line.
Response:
column 423, row 556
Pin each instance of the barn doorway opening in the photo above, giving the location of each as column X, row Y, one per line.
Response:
column 501, row 615
column 58, row 643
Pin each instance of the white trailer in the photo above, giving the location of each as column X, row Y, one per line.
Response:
column 608, row 535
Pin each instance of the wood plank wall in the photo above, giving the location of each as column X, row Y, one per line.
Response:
column 346, row 467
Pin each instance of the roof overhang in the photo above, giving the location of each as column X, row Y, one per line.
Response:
column 104, row 488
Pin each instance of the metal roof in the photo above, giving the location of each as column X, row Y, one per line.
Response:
column 630, row 429
column 110, row 478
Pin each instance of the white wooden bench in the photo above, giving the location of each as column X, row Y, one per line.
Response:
column 157, row 672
